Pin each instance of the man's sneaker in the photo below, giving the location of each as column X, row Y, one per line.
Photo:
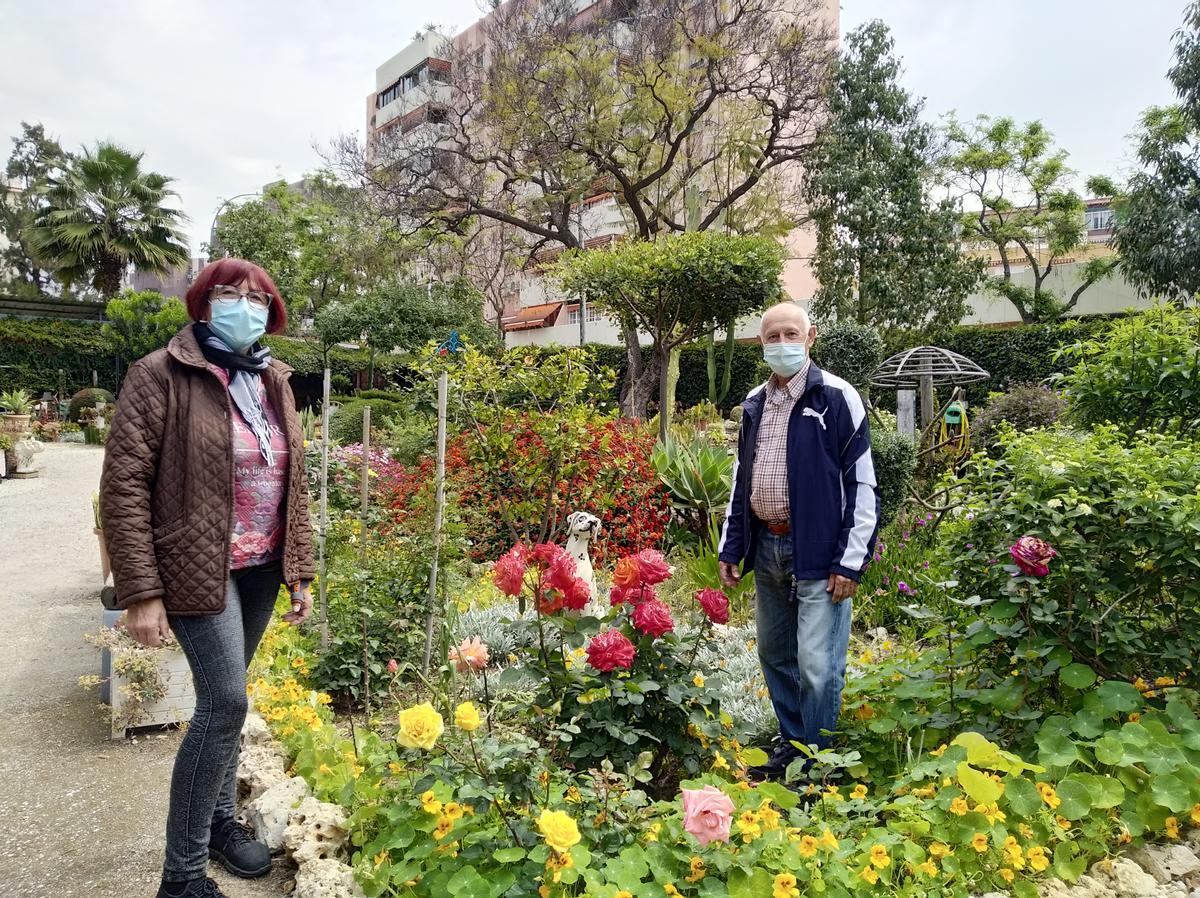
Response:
column 202, row 887
column 235, row 847
column 777, row 764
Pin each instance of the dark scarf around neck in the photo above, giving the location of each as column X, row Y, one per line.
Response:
column 245, row 370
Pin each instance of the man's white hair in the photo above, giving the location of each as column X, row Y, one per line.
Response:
column 792, row 306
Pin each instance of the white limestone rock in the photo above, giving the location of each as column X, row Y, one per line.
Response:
column 1167, row 863
column 1084, row 887
column 270, row 812
column 255, row 731
column 326, row 878
column 260, row 766
column 1129, row 880
column 316, row 831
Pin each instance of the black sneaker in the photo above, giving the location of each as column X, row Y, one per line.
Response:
column 202, row 887
column 777, row 764
column 235, row 847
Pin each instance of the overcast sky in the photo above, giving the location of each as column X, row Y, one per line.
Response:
column 226, row 96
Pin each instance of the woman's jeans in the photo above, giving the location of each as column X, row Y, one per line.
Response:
column 802, row 641
column 218, row 648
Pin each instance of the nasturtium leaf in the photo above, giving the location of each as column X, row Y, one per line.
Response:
column 1022, row 796
column 1109, row 750
column 1172, row 792
column 754, row 757
column 508, row 855
column 1077, row 676
column 1076, row 801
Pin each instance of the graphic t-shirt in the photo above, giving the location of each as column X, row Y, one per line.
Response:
column 259, row 489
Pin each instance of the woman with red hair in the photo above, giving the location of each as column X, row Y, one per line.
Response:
column 205, row 506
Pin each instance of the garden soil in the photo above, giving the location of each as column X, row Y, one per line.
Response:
column 81, row 816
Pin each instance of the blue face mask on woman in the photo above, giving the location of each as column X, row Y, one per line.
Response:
column 785, row 359
column 238, row 323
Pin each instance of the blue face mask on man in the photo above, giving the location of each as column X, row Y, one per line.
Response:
column 785, row 359
column 238, row 323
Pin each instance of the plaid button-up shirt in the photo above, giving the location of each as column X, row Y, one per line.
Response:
column 769, row 488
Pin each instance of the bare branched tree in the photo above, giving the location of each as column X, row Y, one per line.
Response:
column 546, row 107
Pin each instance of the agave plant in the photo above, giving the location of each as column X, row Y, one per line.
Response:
column 17, row 402
column 699, row 476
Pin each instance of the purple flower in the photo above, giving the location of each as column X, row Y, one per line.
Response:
column 905, row 588
column 970, row 545
column 925, row 565
column 929, row 517
column 920, row 522
column 906, row 535
column 886, row 581
column 970, row 515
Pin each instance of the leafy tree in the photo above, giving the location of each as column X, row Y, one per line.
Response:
column 1158, row 223
column 103, row 213
column 139, row 323
column 675, row 289
column 886, row 255
column 637, row 100
column 319, row 243
column 33, row 157
column 1018, row 187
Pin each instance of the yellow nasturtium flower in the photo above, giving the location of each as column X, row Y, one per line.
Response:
column 980, row 842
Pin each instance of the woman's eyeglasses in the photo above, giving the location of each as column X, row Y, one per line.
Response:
column 225, row 293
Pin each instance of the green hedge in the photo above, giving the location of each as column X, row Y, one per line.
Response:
column 33, row 350
column 1016, row 355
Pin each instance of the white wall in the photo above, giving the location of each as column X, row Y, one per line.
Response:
column 1106, row 297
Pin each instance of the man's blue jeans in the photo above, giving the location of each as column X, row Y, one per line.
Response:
column 802, row 640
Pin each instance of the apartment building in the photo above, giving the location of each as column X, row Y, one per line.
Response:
column 1066, row 274
column 412, row 91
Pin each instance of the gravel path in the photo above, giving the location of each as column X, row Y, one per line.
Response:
column 81, row 816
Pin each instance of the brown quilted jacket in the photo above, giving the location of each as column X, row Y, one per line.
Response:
column 166, row 491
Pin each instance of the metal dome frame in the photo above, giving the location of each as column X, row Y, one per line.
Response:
column 943, row 367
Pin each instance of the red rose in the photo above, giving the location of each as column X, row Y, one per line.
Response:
column 628, row 573
column 509, row 570
column 1032, row 555
column 618, row 596
column 560, row 573
column 653, row 566
column 653, row 617
column 609, row 650
column 576, row 594
column 633, row 596
column 715, row 604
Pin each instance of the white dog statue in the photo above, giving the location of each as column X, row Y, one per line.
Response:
column 582, row 529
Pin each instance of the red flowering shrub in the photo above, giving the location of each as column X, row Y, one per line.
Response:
column 606, row 472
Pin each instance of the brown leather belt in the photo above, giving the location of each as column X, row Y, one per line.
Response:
column 779, row 528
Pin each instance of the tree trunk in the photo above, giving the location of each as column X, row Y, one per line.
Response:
column 641, row 377
column 108, row 278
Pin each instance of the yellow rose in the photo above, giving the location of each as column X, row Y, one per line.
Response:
column 420, row 726
column 466, row 717
column 559, row 830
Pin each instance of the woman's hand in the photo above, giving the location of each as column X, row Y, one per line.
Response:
column 301, row 603
column 147, row 623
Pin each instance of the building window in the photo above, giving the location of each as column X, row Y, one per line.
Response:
column 592, row 315
column 1099, row 218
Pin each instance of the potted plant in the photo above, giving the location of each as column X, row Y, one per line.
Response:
column 8, row 457
column 19, row 406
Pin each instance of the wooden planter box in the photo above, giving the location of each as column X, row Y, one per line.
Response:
column 176, row 706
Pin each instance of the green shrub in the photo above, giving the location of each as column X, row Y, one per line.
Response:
column 89, row 397
column 895, row 459
column 1122, row 597
column 1144, row 373
column 1025, row 407
column 345, row 424
column 411, row 437
column 850, row 350
column 139, row 323
column 389, row 395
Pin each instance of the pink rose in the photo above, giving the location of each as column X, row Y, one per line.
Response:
column 653, row 617
column 471, row 654
column 609, row 650
column 509, row 570
column 631, row 596
column 715, row 604
column 653, row 566
column 707, row 814
column 1032, row 555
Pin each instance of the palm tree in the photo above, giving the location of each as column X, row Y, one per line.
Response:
column 102, row 214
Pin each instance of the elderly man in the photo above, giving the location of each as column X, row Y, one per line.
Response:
column 803, row 516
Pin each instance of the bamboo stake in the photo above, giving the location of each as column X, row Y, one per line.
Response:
column 323, row 517
column 438, row 505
